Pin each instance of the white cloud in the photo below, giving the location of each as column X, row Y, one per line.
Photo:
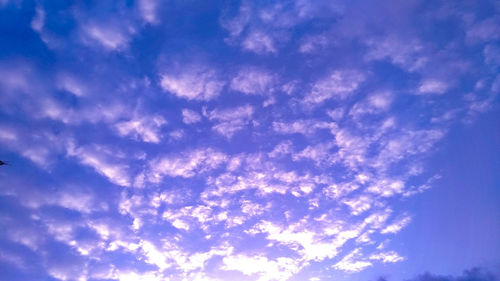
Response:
column 108, row 35
column 38, row 155
column 142, row 276
column 76, row 199
column 136, row 206
column 109, row 113
column 312, row 185
column 24, row 234
column 281, row 268
column 253, row 81
column 432, row 86
column 147, row 9
column 154, row 256
column 170, row 196
column 339, row 85
column 312, row 243
column 407, row 53
column 258, row 173
column 65, row 271
column 282, row 148
column 188, row 217
column 38, row 20
column 477, row 102
column 359, row 204
column 259, row 42
column 229, row 121
column 55, row 110
column 352, row 149
column 252, row 209
column 229, row 184
column 386, row 257
column 228, row 129
column 192, row 83
column 104, row 161
column 405, row 144
column 17, row 76
column 396, row 226
column 311, row 44
column 491, row 53
column 375, row 103
column 386, row 187
column 340, row 190
column 377, row 219
column 8, row 134
column 336, row 114
column 72, row 84
column 177, row 134
column 320, row 153
column 305, row 127
column 352, row 262
column 39, row 148
column 146, row 128
column 412, row 190
column 237, row 24
column 11, row 257
column 261, row 28
column 186, row 164
column 485, row 30
column 190, row 116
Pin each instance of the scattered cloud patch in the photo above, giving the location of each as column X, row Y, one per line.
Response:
column 190, row 116
column 432, row 86
column 231, row 120
column 106, row 35
column 375, row 103
column 146, row 128
column 148, row 10
column 406, row 53
column 104, row 161
column 259, row 42
column 339, row 85
column 352, row 262
column 185, row 165
column 192, row 84
column 484, row 30
column 253, row 81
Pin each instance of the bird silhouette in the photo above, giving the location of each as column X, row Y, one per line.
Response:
column 3, row 163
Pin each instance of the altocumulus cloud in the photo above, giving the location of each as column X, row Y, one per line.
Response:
column 244, row 140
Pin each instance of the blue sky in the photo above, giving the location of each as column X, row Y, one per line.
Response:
column 249, row 140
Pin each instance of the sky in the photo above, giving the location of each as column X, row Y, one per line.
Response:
column 250, row 140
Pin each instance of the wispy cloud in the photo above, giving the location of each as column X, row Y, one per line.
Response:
column 103, row 160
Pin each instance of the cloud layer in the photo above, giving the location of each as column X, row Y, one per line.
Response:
column 228, row 141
